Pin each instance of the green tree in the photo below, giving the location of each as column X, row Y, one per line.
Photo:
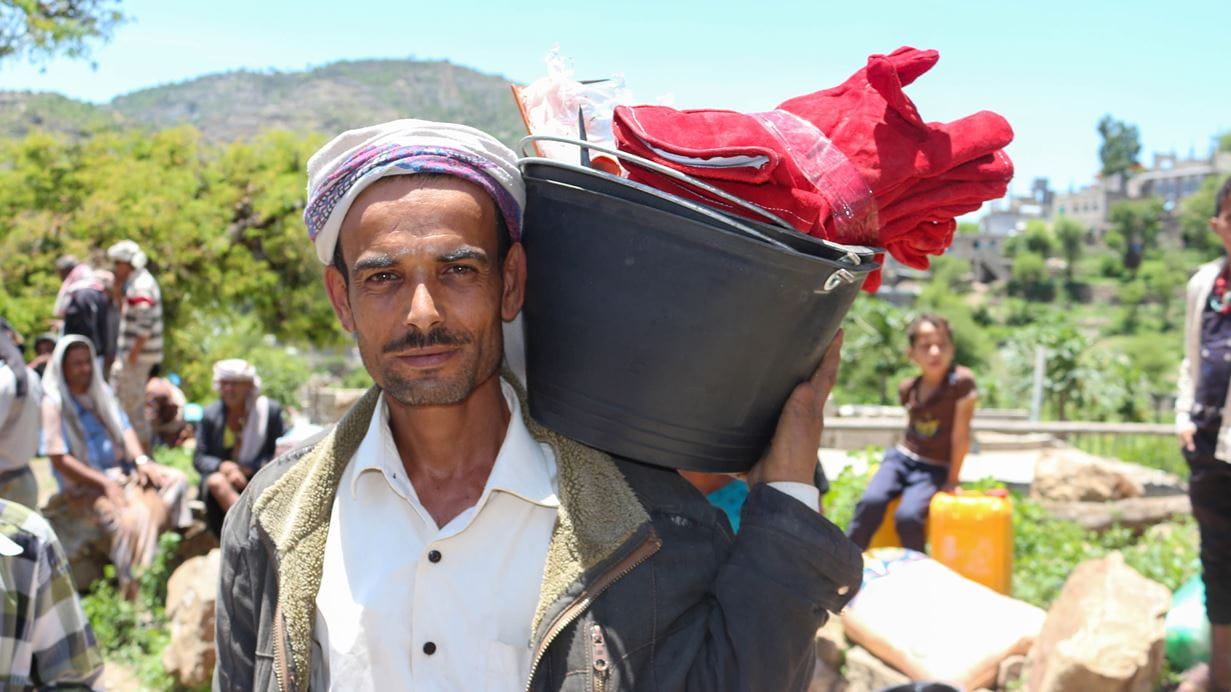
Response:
column 221, row 224
column 1120, row 148
column 1163, row 285
column 877, row 332
column 41, row 29
column 1135, row 225
column 968, row 227
column 1224, row 141
column 1030, row 278
column 1071, row 236
column 1039, row 239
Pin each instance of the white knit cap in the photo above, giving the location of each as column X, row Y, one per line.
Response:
column 127, row 251
column 235, row 370
column 341, row 169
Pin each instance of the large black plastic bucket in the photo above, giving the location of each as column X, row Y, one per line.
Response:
column 659, row 331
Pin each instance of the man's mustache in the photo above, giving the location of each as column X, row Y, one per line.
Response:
column 439, row 336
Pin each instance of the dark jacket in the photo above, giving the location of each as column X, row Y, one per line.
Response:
column 644, row 585
column 210, row 451
column 89, row 313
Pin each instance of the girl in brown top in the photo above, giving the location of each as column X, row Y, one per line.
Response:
column 940, row 402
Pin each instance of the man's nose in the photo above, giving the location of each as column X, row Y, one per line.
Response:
column 423, row 314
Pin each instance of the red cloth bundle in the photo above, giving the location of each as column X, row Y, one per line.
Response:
column 919, row 175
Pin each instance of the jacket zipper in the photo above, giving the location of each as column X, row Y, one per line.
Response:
column 598, row 657
column 281, row 670
column 640, row 554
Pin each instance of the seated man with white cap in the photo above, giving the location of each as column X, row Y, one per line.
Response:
column 238, row 435
column 439, row 538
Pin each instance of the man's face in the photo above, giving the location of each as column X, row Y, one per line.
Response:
column 234, row 392
column 426, row 293
column 78, row 368
column 122, row 271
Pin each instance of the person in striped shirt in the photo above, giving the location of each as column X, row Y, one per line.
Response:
column 140, row 343
column 45, row 639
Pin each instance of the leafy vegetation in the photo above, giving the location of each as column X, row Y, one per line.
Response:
column 41, row 30
column 134, row 633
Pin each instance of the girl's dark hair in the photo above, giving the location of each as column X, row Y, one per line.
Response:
column 1222, row 196
column 912, row 332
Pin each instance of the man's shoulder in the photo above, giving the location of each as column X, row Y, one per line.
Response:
column 20, row 521
column 271, row 472
column 666, row 494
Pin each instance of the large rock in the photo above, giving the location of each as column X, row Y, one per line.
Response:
column 1103, row 634
column 191, row 596
column 85, row 543
column 1135, row 513
column 867, row 673
column 1066, row 474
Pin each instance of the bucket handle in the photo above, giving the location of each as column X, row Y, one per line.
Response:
column 664, row 170
column 700, row 209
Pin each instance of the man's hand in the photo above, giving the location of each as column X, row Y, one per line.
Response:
column 234, row 474
column 115, row 494
column 150, row 476
column 792, row 451
column 1186, row 439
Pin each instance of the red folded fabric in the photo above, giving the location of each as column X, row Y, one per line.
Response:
column 920, row 175
column 879, row 128
column 729, row 150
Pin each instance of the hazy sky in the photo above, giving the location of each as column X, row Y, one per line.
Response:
column 1052, row 68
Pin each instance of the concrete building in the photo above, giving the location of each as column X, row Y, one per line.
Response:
column 985, row 251
column 1173, row 178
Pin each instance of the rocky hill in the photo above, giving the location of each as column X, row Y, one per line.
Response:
column 326, row 99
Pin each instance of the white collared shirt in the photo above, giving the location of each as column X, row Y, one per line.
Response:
column 383, row 599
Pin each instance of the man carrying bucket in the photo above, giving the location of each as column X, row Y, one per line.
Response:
column 440, row 538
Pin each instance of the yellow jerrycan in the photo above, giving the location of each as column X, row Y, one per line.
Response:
column 970, row 533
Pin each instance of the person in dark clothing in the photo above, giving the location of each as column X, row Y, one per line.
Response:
column 236, row 437
column 940, row 403
column 1203, row 396
column 83, row 304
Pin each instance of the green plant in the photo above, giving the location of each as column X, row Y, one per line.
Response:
column 178, row 458
column 846, row 489
column 135, row 632
column 1046, row 550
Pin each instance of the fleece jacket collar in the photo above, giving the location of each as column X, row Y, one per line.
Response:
column 598, row 514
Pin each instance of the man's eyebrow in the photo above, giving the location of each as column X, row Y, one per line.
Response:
column 375, row 262
column 466, row 253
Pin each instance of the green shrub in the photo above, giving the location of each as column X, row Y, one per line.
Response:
column 135, row 633
column 1047, row 550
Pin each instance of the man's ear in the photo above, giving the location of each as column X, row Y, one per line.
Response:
column 336, row 287
column 514, row 292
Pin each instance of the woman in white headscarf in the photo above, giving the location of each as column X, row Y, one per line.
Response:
column 238, row 435
column 99, row 462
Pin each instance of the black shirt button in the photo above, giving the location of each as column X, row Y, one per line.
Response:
column 429, row 648
column 434, row 556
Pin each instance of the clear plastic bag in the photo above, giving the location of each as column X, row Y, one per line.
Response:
column 550, row 106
